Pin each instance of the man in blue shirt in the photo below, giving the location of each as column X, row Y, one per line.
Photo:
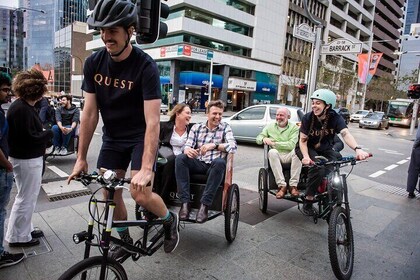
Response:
column 6, row 172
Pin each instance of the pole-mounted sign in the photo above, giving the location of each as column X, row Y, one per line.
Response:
column 304, row 31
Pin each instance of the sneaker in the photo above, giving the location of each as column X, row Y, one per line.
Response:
column 118, row 253
column 56, row 151
column 63, row 151
column 308, row 208
column 171, row 233
column 49, row 150
column 8, row 259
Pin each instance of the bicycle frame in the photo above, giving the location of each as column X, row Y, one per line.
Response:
column 140, row 248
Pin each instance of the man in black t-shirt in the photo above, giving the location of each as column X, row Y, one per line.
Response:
column 122, row 82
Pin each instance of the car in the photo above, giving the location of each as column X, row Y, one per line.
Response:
column 164, row 108
column 249, row 122
column 79, row 102
column 355, row 117
column 375, row 120
column 344, row 112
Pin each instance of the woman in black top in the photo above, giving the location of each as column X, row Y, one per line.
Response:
column 27, row 142
column 173, row 134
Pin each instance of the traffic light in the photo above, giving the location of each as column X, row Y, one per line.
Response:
column 303, row 88
column 414, row 91
column 149, row 27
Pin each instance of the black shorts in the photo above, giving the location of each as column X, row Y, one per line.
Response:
column 117, row 154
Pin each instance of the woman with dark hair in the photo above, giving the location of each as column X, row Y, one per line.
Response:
column 27, row 142
column 173, row 134
column 317, row 132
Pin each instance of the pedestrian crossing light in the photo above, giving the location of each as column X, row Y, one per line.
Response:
column 149, row 26
column 303, row 88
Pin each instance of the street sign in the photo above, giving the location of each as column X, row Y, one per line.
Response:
column 304, row 31
column 341, row 46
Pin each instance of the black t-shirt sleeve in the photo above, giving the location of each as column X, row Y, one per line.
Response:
column 305, row 123
column 340, row 123
column 88, row 82
column 151, row 82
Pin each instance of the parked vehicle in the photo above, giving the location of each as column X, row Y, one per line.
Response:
column 375, row 120
column 79, row 102
column 356, row 117
column 249, row 122
column 344, row 112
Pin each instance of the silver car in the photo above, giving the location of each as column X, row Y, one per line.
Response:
column 356, row 117
column 374, row 120
column 249, row 122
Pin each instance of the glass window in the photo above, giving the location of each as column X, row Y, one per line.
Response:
column 256, row 113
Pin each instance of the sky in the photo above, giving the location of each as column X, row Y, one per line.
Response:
column 9, row 3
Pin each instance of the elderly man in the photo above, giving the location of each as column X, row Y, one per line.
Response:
column 282, row 137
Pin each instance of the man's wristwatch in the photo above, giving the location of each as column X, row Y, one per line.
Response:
column 357, row 147
column 216, row 146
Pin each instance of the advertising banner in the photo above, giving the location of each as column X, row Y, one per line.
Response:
column 365, row 74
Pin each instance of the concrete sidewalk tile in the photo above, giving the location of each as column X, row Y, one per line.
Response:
column 61, row 187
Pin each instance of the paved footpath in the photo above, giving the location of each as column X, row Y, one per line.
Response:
column 282, row 245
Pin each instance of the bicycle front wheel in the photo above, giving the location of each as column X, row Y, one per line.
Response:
column 90, row 269
column 341, row 243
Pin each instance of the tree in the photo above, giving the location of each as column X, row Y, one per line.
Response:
column 382, row 89
column 408, row 79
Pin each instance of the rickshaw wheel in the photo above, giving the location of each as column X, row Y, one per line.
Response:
column 263, row 189
column 232, row 213
column 341, row 243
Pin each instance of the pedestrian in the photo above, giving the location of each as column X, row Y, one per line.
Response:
column 27, row 142
column 67, row 117
column 6, row 171
column 205, row 152
column 414, row 167
column 122, row 83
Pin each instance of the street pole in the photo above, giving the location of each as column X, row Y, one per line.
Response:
column 210, row 79
column 415, row 109
column 314, row 67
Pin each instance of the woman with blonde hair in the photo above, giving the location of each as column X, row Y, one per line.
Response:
column 27, row 142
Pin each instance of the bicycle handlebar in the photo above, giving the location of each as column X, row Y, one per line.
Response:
column 344, row 160
column 108, row 178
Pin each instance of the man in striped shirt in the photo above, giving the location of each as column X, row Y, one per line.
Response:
column 205, row 153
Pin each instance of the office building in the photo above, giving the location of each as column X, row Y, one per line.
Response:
column 12, row 34
column 412, row 14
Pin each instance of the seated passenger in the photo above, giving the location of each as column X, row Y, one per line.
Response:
column 282, row 137
column 67, row 117
column 317, row 138
column 173, row 134
column 205, row 153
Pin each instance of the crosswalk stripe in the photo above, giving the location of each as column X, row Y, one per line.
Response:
column 377, row 173
column 58, row 171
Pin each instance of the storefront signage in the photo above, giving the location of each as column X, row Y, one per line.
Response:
column 185, row 50
column 241, row 84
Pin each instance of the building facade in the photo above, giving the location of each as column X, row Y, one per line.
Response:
column 412, row 15
column 12, row 34
column 239, row 41
column 40, row 28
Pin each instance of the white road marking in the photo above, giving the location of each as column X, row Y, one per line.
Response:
column 377, row 173
column 58, row 171
column 402, row 161
column 390, row 151
column 392, row 166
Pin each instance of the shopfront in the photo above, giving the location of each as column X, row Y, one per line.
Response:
column 239, row 92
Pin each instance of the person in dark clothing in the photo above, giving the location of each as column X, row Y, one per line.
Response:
column 317, row 133
column 6, row 172
column 67, row 117
column 46, row 113
column 27, row 142
column 414, row 167
column 173, row 134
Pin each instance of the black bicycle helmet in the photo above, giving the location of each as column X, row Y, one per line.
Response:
column 111, row 13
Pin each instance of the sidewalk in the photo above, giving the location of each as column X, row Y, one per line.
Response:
column 286, row 245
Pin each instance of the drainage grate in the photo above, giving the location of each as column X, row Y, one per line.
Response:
column 68, row 195
column 393, row 190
